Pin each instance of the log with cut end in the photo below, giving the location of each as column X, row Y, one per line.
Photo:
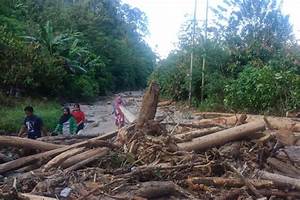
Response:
column 55, row 162
column 229, row 182
column 222, row 137
column 149, row 105
column 100, row 153
column 27, row 143
column 280, row 180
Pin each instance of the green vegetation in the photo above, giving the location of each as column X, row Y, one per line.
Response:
column 252, row 61
column 72, row 49
column 12, row 115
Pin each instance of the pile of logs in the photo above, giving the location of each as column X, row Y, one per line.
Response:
column 224, row 156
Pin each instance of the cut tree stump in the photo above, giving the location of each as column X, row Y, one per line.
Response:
column 222, row 137
column 149, row 105
column 27, row 143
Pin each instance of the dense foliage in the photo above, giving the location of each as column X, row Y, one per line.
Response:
column 74, row 49
column 252, row 60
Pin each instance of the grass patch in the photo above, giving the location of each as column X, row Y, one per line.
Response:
column 12, row 115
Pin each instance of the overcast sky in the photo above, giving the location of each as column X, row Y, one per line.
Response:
column 166, row 16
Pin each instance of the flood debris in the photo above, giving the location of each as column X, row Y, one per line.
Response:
column 220, row 156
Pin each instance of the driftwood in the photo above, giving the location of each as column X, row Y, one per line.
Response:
column 27, row 143
column 284, row 167
column 280, row 180
column 56, row 161
column 197, row 133
column 222, row 137
column 79, row 157
column 34, row 197
column 229, row 182
column 100, row 153
column 156, row 189
column 149, row 105
column 15, row 164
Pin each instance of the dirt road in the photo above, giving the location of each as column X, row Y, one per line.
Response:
column 99, row 114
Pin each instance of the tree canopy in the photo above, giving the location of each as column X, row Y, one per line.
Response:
column 73, row 49
column 252, row 60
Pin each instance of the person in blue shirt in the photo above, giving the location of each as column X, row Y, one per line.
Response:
column 32, row 125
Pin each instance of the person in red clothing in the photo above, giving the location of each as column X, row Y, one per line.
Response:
column 79, row 117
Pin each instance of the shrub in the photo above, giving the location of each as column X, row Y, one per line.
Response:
column 262, row 90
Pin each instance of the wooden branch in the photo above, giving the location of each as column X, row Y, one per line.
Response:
column 56, row 161
column 229, row 182
column 100, row 153
column 27, row 143
column 222, row 137
column 280, row 180
column 149, row 105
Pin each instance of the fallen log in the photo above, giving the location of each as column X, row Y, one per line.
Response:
column 164, row 103
column 197, row 133
column 34, row 197
column 27, row 143
column 282, row 194
column 280, row 180
column 100, row 153
column 285, row 168
column 208, row 115
column 15, row 164
column 222, row 137
column 79, row 157
column 149, row 105
column 229, row 182
column 156, row 189
column 56, row 161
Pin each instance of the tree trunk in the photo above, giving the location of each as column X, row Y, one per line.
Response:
column 55, row 162
column 285, row 168
column 27, row 143
column 149, row 105
column 15, row 164
column 197, row 133
column 222, row 137
column 100, row 153
column 280, row 180
column 79, row 157
column 229, row 182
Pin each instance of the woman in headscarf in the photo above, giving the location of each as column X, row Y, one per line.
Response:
column 119, row 115
column 67, row 124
